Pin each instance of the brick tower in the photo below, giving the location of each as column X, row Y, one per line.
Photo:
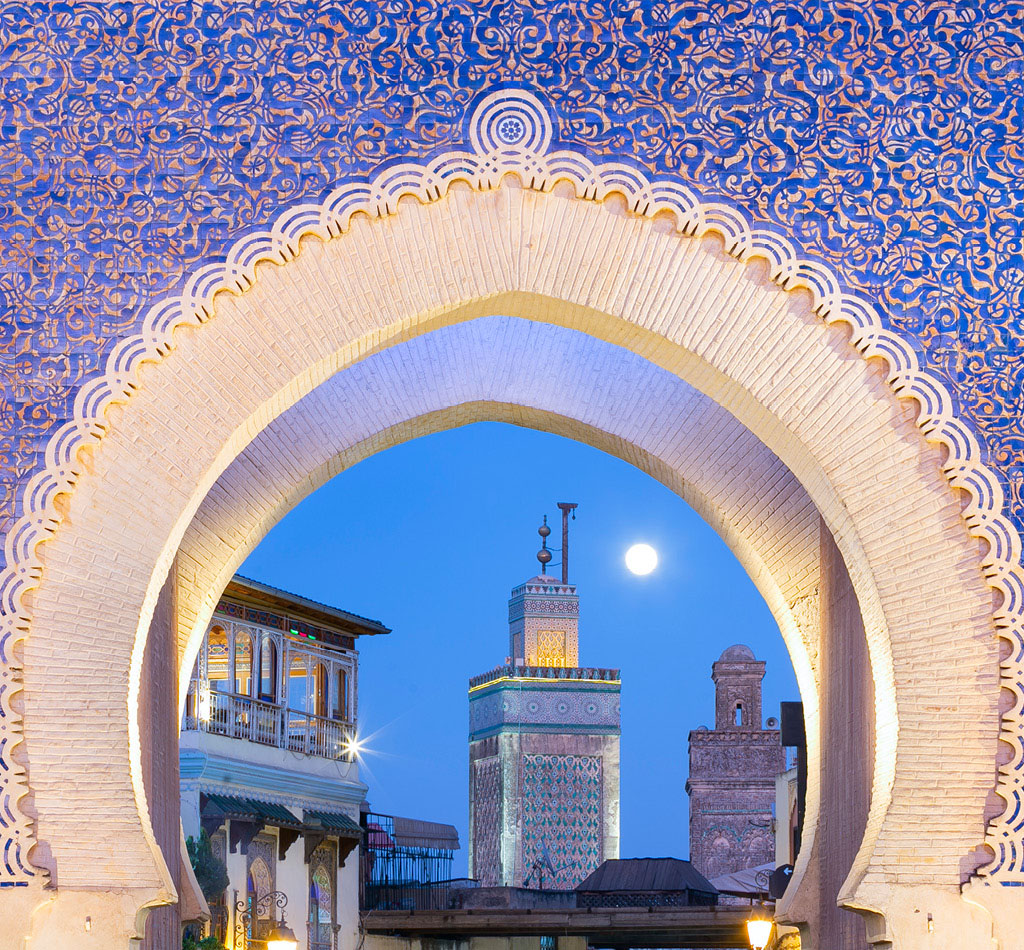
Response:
column 543, row 746
column 732, row 772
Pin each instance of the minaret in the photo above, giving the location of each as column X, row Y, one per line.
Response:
column 543, row 745
column 732, row 772
column 543, row 617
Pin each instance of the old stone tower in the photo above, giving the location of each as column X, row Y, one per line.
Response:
column 543, row 747
column 732, row 772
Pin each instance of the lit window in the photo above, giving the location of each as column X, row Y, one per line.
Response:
column 217, row 660
column 551, row 648
column 341, row 696
column 268, row 670
column 297, row 690
column 320, row 691
column 243, row 664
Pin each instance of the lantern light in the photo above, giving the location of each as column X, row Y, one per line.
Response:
column 759, row 931
column 281, row 937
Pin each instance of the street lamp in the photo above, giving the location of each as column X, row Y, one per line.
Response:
column 281, row 937
column 759, row 930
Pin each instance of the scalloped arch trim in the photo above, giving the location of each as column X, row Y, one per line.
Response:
column 511, row 132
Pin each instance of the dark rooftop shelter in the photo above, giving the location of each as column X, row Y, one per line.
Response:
column 646, row 882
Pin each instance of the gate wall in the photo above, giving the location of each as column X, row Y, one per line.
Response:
column 867, row 153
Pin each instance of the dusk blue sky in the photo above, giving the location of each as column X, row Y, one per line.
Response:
column 430, row 537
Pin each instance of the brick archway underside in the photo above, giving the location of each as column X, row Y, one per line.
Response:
column 513, row 370
column 758, row 352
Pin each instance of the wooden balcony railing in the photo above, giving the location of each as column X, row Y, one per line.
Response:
column 242, row 717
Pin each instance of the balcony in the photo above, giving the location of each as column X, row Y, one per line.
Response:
column 509, row 671
column 242, row 717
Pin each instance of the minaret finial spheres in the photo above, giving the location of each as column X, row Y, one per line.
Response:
column 544, row 555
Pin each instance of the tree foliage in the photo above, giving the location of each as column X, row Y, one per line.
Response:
column 210, row 871
column 201, row 943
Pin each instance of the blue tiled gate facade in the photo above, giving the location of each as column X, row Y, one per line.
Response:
column 138, row 141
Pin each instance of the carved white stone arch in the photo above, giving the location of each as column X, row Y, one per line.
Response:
column 620, row 277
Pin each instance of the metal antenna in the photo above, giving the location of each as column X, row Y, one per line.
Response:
column 566, row 507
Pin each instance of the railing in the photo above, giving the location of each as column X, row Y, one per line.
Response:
column 408, row 896
column 316, row 735
column 242, row 717
column 321, row 936
column 545, row 672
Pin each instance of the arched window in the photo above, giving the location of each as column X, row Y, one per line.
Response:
column 323, row 870
column 321, row 907
column 297, row 685
column 341, row 696
column 251, row 900
column 320, row 687
column 268, row 670
column 739, row 714
column 259, row 883
column 243, row 664
column 217, row 660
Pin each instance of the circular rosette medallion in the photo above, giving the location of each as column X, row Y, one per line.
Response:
column 510, row 120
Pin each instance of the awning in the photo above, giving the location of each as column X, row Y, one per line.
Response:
column 249, row 809
column 413, row 833
column 249, row 815
column 749, row 881
column 334, row 823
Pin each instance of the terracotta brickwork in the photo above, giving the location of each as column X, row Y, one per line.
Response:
column 732, row 775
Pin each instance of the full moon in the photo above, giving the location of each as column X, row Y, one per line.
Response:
column 641, row 559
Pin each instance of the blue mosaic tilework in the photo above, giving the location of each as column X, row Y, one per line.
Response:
column 137, row 140
column 562, row 803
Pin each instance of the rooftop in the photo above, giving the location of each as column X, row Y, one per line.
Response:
column 270, row 596
column 738, row 652
column 543, row 583
column 646, row 875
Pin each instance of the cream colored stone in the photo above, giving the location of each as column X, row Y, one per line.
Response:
column 758, row 352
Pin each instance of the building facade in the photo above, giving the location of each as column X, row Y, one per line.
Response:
column 733, row 769
column 543, row 749
column 268, row 767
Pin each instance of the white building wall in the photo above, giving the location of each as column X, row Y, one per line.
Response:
column 785, row 801
column 216, row 764
column 190, row 825
column 348, row 902
column 293, row 879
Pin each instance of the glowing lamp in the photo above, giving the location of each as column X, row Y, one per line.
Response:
column 281, row 937
column 759, row 932
column 354, row 746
